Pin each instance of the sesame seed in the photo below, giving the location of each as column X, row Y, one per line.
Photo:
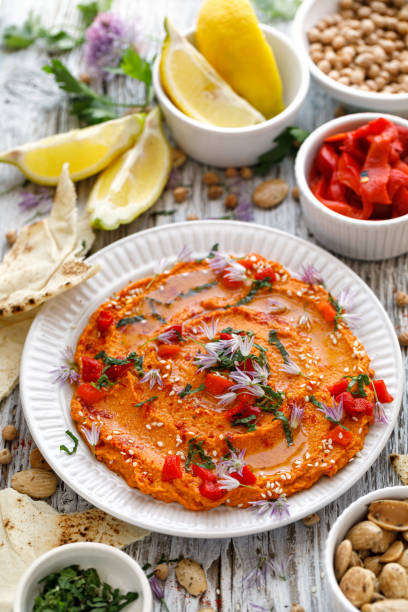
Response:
column 148, row 426
column 307, row 456
column 179, row 401
column 168, row 367
column 80, row 413
column 116, row 431
column 134, row 464
column 159, row 443
column 172, row 392
column 221, row 436
column 109, row 437
column 131, row 452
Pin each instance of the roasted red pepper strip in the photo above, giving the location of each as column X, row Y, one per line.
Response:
column 168, row 350
column 90, row 394
column 327, row 160
column 349, row 172
column 105, row 320
column 340, row 436
column 339, row 387
column 203, row 473
column 382, row 392
column 171, row 468
column 376, row 170
column 217, row 384
column 211, row 490
column 91, row 369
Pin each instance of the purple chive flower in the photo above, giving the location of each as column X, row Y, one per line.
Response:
column 152, row 377
column 261, row 372
column 227, row 482
column 205, row 361
column 229, row 347
column 227, row 398
column 210, row 330
column 244, row 210
column 380, row 415
column 68, row 370
column 304, row 321
column 290, row 367
column 257, row 576
column 219, row 262
column 296, row 415
column 246, row 344
column 168, row 337
column 255, row 606
column 92, row 435
column 106, row 39
column 274, row 507
column 34, row 197
column 246, row 383
column 311, row 275
column 276, row 307
column 234, row 463
column 345, row 299
column 235, row 272
column 158, row 591
column 281, row 567
column 186, row 254
column 333, row 413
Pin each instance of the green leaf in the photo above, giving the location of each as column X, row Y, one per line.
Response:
column 20, row 37
column 60, row 41
column 195, row 449
column 360, row 381
column 338, row 309
column 286, row 145
column 130, row 320
column 103, row 382
column 211, row 254
column 256, row 286
column 188, row 390
column 75, row 441
column 151, row 399
column 278, row 9
column 89, row 11
column 136, row 67
column 249, row 421
column 273, row 339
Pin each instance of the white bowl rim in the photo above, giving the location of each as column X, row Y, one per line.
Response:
column 319, row 134
column 293, row 105
column 385, row 493
column 357, row 94
column 106, row 549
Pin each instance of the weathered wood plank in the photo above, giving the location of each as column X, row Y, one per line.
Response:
column 32, row 107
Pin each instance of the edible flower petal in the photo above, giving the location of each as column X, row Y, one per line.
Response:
column 228, row 483
column 311, row 275
column 296, row 415
column 153, row 377
column 235, row 272
column 290, row 367
column 92, row 435
column 380, row 415
column 333, row 413
column 210, row 330
column 227, row 398
column 68, row 370
column 278, row 507
column 186, row 254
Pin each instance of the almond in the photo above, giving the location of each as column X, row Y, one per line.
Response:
column 179, row 157
column 191, row 576
column 270, row 193
column 35, row 482
column 38, row 461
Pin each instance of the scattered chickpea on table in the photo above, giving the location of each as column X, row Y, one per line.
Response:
column 364, row 45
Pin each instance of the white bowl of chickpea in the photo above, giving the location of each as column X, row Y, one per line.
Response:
column 357, row 51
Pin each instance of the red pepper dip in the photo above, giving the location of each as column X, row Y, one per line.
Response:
column 224, row 380
column 363, row 174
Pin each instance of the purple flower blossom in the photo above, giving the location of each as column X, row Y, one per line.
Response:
column 36, row 196
column 219, row 262
column 92, row 435
column 276, row 307
column 296, row 415
column 227, row 398
column 227, row 482
column 272, row 507
column 234, row 463
column 290, row 367
column 257, row 576
column 210, row 330
column 304, row 321
column 311, row 275
column 168, row 337
column 205, row 361
column 186, row 254
column 246, row 344
column 261, row 372
column 106, row 39
column 255, row 606
column 158, row 591
column 152, row 377
column 380, row 415
column 333, row 413
column 161, row 266
column 229, row 347
column 236, row 273
column 281, row 567
column 246, row 383
column 68, row 370
column 345, row 299
column 244, row 210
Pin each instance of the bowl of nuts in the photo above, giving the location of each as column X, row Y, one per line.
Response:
column 357, row 50
column 366, row 554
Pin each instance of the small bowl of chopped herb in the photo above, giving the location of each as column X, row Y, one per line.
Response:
column 84, row 576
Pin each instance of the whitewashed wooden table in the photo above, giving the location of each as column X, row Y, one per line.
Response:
column 32, row 107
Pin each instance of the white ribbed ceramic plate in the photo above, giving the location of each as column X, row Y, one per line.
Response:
column 60, row 323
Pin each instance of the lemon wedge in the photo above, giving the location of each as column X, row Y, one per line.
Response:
column 197, row 89
column 229, row 37
column 87, row 150
column 132, row 183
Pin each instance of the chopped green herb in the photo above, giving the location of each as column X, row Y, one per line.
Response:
column 155, row 314
column 137, row 68
column 273, row 339
column 110, row 361
column 231, row 330
column 210, row 255
column 90, row 10
column 151, row 399
column 286, row 145
column 130, row 320
column 271, row 403
column 73, row 589
column 249, row 421
column 279, row 416
column 195, row 449
column 103, row 382
column 75, row 441
column 256, row 286
column 188, row 390
column 360, row 381
column 196, row 289
column 338, row 309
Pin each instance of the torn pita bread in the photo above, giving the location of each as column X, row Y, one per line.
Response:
column 45, row 260
column 400, row 465
column 30, row 528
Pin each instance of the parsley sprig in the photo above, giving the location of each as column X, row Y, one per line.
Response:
column 273, row 339
column 360, row 381
column 17, row 37
column 196, row 451
column 74, row 590
column 188, row 390
column 135, row 66
column 130, row 320
column 286, row 145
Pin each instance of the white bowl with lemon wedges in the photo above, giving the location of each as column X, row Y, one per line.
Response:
column 229, row 86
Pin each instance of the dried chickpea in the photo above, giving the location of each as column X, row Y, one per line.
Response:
column 379, row 6
column 374, row 71
column 317, row 56
column 357, row 76
column 334, row 74
column 324, row 66
column 344, row 80
column 246, row 173
column 5, row 456
column 338, row 42
column 211, row 178
column 9, row 432
column 313, row 35
column 364, row 11
column 367, row 26
column 214, row 192
column 231, row 201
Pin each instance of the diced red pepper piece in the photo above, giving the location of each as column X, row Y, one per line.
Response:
column 228, row 283
column 91, row 369
column 168, row 350
column 217, row 384
column 339, row 387
column 203, row 473
column 225, row 336
column 171, row 468
column 327, row 160
column 363, row 406
column 245, row 410
column 266, row 273
column 114, row 372
column 211, row 490
column 247, row 478
column 340, row 436
column 105, row 320
column 348, row 403
column 90, row 394
column 382, row 392
column 327, row 310
column 177, row 329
